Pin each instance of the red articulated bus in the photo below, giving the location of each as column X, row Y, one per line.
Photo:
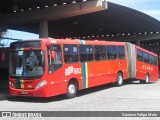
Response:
column 50, row 67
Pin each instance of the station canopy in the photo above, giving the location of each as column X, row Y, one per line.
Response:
column 116, row 20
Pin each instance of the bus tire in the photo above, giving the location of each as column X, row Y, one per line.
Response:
column 71, row 90
column 146, row 81
column 119, row 79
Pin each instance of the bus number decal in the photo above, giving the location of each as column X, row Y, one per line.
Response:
column 77, row 70
column 71, row 70
column 53, row 41
column 147, row 68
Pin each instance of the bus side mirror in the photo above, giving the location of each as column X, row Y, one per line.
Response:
column 52, row 55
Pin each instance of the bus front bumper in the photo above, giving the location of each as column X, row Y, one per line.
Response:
column 32, row 93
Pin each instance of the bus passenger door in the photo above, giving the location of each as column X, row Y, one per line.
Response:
column 122, row 62
column 112, row 63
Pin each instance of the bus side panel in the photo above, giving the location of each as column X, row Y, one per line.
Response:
column 141, row 72
column 102, row 72
column 59, row 79
column 74, row 71
column 105, row 71
column 154, row 74
column 122, row 66
column 144, row 68
column 113, row 69
column 151, row 70
column 57, row 82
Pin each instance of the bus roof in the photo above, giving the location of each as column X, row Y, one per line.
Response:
column 146, row 51
column 79, row 41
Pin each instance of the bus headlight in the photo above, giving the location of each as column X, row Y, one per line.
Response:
column 41, row 84
column 11, row 84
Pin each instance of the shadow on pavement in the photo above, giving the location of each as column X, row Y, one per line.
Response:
column 60, row 97
column 135, row 82
column 5, row 94
column 94, row 89
column 36, row 99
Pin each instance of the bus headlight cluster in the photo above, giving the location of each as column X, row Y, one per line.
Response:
column 41, row 84
column 11, row 84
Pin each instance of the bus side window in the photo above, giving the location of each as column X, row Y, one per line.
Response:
column 86, row 53
column 155, row 61
column 121, row 53
column 99, row 52
column 145, row 57
column 111, row 52
column 139, row 55
column 70, row 53
column 48, row 56
column 151, row 59
column 56, row 63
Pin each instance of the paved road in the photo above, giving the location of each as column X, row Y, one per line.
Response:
column 129, row 97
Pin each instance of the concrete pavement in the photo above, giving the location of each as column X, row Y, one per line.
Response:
column 129, row 97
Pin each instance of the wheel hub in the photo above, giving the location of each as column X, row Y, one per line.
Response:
column 71, row 89
column 120, row 80
column 147, row 79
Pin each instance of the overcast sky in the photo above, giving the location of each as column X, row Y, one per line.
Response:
column 150, row 7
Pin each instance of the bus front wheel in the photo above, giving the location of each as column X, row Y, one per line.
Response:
column 71, row 90
column 119, row 79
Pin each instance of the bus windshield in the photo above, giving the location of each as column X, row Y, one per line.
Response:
column 28, row 63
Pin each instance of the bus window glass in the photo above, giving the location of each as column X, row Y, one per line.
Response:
column 99, row 52
column 151, row 59
column 145, row 57
column 121, row 53
column 70, row 53
column 25, row 44
column 155, row 61
column 139, row 55
column 57, row 61
column 111, row 52
column 86, row 53
column 28, row 63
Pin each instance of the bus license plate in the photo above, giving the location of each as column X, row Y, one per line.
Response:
column 24, row 93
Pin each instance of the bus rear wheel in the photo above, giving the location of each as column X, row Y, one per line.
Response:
column 146, row 81
column 119, row 79
column 71, row 90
